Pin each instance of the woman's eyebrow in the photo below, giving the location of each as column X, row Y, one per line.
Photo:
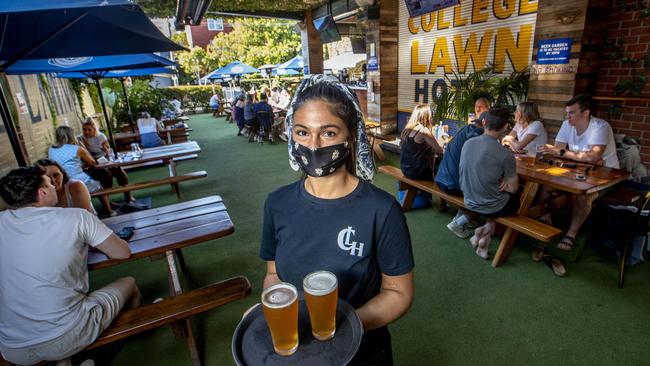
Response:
column 296, row 124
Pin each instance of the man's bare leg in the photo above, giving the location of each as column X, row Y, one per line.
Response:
column 581, row 210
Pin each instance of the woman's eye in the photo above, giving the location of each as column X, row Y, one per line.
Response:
column 301, row 133
column 329, row 133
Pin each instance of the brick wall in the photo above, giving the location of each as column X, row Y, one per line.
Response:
column 35, row 123
column 628, row 115
column 201, row 36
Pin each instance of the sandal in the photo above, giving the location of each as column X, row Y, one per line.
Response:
column 555, row 264
column 567, row 243
column 538, row 253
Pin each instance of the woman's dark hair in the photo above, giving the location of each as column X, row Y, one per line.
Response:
column 20, row 186
column 342, row 105
column 43, row 163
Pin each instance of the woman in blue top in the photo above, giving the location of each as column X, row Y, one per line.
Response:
column 334, row 219
column 71, row 156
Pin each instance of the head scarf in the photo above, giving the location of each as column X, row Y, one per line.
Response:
column 365, row 167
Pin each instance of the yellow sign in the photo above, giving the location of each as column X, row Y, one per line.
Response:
column 462, row 39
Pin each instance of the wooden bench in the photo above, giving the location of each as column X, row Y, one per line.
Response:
column 172, row 310
column 517, row 222
column 153, row 183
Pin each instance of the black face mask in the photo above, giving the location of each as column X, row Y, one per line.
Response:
column 322, row 161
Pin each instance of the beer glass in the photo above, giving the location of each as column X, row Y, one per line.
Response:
column 280, row 305
column 321, row 295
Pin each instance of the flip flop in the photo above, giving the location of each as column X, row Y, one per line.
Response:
column 538, row 253
column 555, row 264
column 567, row 243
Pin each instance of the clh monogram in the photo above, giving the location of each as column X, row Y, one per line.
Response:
column 345, row 242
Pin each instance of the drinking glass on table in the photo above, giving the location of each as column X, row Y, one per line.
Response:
column 280, row 306
column 321, row 295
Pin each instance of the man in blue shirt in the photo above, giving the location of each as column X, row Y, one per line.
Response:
column 264, row 119
column 448, row 174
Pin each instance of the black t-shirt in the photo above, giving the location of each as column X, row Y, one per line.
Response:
column 357, row 237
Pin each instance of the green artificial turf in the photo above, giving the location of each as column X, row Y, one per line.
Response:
column 465, row 312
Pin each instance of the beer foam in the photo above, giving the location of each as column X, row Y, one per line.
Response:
column 319, row 283
column 279, row 296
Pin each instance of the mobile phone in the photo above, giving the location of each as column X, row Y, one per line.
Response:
column 126, row 233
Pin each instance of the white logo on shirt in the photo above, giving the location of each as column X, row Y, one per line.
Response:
column 345, row 243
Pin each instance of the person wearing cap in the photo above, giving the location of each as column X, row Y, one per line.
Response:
column 448, row 175
column 488, row 177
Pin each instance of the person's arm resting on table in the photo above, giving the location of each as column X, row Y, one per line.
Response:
column 594, row 155
column 96, row 234
column 114, row 248
column 390, row 304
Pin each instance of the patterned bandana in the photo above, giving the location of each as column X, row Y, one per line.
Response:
column 365, row 168
column 321, row 161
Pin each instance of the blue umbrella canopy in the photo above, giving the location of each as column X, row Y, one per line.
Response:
column 236, row 68
column 40, row 29
column 120, row 73
column 295, row 63
column 284, row 72
column 90, row 65
column 216, row 76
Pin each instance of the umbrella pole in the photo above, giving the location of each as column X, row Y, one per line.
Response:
column 108, row 122
column 8, row 120
column 128, row 105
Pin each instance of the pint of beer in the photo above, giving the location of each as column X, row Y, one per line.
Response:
column 280, row 305
column 321, row 295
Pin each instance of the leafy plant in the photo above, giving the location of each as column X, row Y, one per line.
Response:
column 50, row 100
column 458, row 100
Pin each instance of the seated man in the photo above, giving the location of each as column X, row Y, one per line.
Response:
column 447, row 176
column 46, row 312
column 215, row 104
column 488, row 177
column 267, row 120
column 582, row 137
column 177, row 106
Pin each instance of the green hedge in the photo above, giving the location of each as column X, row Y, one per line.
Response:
column 192, row 97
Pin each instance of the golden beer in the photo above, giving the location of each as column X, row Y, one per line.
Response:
column 280, row 305
column 321, row 295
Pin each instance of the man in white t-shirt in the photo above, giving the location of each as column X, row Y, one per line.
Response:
column 177, row 106
column 582, row 137
column 46, row 312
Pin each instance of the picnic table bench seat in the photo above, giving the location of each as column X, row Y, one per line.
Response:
column 146, row 317
column 521, row 223
column 174, row 180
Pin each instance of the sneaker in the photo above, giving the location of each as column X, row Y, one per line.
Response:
column 459, row 230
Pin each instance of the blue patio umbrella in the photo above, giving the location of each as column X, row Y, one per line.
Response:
column 295, row 63
column 94, row 67
column 121, row 75
column 236, row 68
column 284, row 72
column 40, row 29
column 216, row 76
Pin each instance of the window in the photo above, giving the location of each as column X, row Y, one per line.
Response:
column 215, row 24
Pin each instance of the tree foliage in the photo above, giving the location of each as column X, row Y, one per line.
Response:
column 252, row 41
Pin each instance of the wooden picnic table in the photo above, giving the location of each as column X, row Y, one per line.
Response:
column 536, row 173
column 135, row 136
column 165, row 153
column 163, row 232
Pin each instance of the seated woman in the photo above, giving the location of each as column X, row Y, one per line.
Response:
column 373, row 261
column 70, row 155
column 528, row 133
column 417, row 143
column 97, row 145
column 148, row 128
column 250, row 121
column 238, row 112
column 71, row 192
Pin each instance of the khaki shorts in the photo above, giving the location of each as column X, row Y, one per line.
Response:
column 99, row 309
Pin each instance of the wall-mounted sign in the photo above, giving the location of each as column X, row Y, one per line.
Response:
column 552, row 69
column 554, row 51
column 437, row 47
column 420, row 7
column 373, row 63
